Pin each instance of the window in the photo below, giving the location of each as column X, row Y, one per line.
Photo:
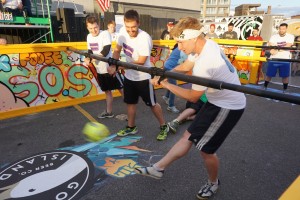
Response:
column 223, row 10
column 210, row 10
column 211, row 2
column 223, row 2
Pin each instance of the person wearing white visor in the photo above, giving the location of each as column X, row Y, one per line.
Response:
column 216, row 118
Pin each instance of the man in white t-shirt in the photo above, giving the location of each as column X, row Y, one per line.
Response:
column 217, row 117
column 281, row 39
column 137, row 45
column 111, row 28
column 13, row 6
column 100, row 44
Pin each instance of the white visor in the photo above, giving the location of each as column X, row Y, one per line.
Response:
column 189, row 34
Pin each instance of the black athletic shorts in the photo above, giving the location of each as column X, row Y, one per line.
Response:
column 108, row 82
column 211, row 126
column 135, row 89
column 196, row 106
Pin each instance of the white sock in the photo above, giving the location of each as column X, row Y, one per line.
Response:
column 215, row 183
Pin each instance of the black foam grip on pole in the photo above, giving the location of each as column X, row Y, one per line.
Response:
column 88, row 54
column 205, row 82
column 112, row 61
column 155, row 71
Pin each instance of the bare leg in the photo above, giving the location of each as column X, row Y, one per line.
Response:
column 180, row 149
column 211, row 162
column 157, row 111
column 109, row 100
column 131, row 112
column 268, row 78
column 285, row 80
column 192, row 117
column 188, row 112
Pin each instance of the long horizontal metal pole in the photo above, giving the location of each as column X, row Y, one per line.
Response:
column 200, row 81
column 261, row 47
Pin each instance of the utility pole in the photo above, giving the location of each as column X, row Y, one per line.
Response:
column 204, row 10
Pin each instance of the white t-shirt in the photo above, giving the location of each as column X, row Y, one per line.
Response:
column 96, row 44
column 213, row 64
column 133, row 48
column 114, row 37
column 12, row 4
column 279, row 41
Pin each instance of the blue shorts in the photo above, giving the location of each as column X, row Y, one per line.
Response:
column 283, row 68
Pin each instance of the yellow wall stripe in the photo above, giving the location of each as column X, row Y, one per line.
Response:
column 46, row 107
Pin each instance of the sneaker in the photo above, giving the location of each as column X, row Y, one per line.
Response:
column 173, row 109
column 284, row 91
column 149, row 171
column 164, row 129
column 166, row 99
column 105, row 114
column 127, row 131
column 208, row 190
column 173, row 125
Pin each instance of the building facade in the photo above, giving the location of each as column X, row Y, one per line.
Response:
column 212, row 9
column 168, row 9
column 248, row 9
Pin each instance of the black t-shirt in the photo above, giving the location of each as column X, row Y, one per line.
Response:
column 165, row 35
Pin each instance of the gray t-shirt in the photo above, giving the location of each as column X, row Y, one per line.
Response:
column 211, row 35
column 230, row 35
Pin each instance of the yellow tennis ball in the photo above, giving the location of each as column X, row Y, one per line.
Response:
column 94, row 131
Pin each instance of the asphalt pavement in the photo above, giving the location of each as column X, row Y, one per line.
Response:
column 259, row 159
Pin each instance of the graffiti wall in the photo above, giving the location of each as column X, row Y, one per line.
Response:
column 42, row 76
column 245, row 59
column 243, row 25
column 38, row 78
column 159, row 55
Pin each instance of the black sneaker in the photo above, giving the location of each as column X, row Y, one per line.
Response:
column 105, row 115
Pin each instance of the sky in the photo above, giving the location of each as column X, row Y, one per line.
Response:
column 286, row 7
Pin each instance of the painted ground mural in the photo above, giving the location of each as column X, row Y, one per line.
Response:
column 47, row 175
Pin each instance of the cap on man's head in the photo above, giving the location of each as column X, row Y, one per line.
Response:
column 213, row 25
column 170, row 24
column 284, row 24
